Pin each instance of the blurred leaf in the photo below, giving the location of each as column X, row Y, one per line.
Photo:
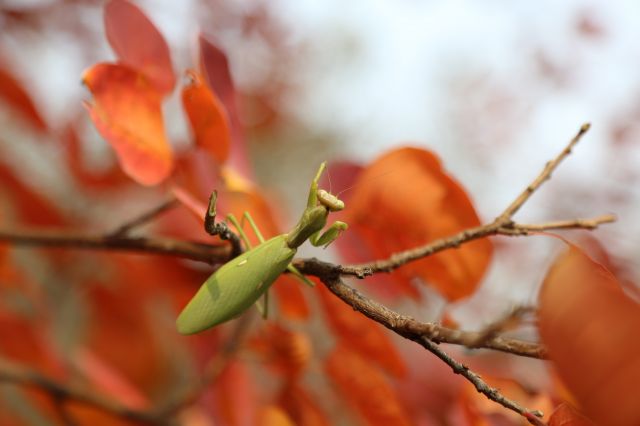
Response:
column 214, row 66
column 207, row 117
column 566, row 415
column 301, row 407
column 127, row 112
column 291, row 301
column 108, row 380
column 364, row 388
column 12, row 92
column 273, row 416
column 360, row 334
column 286, row 352
column 590, row 327
column 30, row 206
column 110, row 178
column 235, row 399
column 139, row 44
column 405, row 199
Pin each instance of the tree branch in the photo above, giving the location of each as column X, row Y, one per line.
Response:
column 426, row 334
column 127, row 227
column 17, row 374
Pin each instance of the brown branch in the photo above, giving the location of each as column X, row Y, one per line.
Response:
column 20, row 375
column 510, row 320
column 416, row 331
column 510, row 229
column 125, row 228
column 202, row 252
column 427, row 334
column 502, row 225
column 532, row 416
column 409, row 327
column 549, row 168
column 17, row 374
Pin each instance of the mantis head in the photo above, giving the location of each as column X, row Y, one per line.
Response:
column 330, row 201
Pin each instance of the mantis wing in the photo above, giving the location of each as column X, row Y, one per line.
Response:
column 236, row 286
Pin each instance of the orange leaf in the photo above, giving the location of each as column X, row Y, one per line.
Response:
column 365, row 388
column 405, row 199
column 13, row 93
column 301, row 407
column 139, row 44
column 590, row 327
column 565, row 415
column 127, row 112
column 291, row 301
column 207, row 117
column 273, row 416
column 361, row 334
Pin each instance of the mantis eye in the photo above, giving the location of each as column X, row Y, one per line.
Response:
column 330, row 201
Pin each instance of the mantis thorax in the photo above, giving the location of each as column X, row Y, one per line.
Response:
column 313, row 220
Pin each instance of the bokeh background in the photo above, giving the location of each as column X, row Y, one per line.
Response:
column 495, row 88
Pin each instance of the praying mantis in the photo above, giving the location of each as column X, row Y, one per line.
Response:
column 240, row 282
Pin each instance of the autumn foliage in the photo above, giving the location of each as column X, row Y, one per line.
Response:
column 102, row 322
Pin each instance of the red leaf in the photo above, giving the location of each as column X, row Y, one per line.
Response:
column 139, row 44
column 207, row 117
column 214, row 66
column 291, row 301
column 416, row 202
column 14, row 94
column 108, row 380
column 31, row 207
column 364, row 387
column 127, row 112
column 287, row 352
column 361, row 334
column 565, row 415
column 235, row 397
column 590, row 327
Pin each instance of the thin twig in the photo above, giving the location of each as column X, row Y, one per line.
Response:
column 192, row 250
column 411, row 328
column 495, row 228
column 24, row 376
column 508, row 213
column 213, row 369
column 220, row 229
column 15, row 373
column 533, row 416
column 512, row 319
column 125, row 228
column 502, row 225
column 414, row 330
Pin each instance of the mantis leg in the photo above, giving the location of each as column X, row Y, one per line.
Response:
column 329, row 235
column 231, row 218
column 263, row 308
column 300, row 276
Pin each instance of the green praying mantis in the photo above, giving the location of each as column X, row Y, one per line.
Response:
column 239, row 283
